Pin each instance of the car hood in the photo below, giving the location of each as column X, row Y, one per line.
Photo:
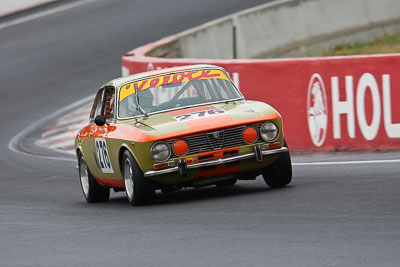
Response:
column 205, row 118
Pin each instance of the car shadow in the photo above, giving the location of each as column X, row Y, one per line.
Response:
column 208, row 193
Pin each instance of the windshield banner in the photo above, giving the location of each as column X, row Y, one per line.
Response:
column 129, row 89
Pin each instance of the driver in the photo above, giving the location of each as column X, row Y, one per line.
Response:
column 146, row 100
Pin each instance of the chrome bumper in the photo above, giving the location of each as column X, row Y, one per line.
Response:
column 218, row 161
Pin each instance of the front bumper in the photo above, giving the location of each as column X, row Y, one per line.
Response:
column 258, row 153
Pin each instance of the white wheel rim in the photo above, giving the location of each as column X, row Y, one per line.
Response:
column 83, row 173
column 128, row 179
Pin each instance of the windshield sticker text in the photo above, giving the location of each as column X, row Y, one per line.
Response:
column 130, row 88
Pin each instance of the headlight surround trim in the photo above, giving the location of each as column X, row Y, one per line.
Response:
column 155, row 154
column 268, row 128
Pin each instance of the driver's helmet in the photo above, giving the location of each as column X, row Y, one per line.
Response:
column 146, row 100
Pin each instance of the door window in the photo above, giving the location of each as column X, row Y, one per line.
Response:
column 96, row 108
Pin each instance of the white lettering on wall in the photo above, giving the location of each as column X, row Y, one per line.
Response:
column 392, row 129
column 367, row 80
column 343, row 107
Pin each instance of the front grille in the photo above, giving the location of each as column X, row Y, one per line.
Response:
column 216, row 139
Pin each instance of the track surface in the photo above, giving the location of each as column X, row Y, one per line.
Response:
column 331, row 215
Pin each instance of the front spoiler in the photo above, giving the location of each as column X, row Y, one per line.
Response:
column 255, row 154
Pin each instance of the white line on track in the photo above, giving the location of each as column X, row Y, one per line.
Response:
column 13, row 144
column 44, row 13
column 378, row 161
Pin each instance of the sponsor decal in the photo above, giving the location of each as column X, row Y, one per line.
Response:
column 354, row 105
column 103, row 155
column 130, row 88
column 200, row 114
column 317, row 110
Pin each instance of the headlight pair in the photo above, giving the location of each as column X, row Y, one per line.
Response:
column 161, row 151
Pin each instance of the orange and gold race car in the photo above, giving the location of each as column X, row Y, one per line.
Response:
column 174, row 128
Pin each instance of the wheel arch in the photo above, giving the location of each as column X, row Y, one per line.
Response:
column 124, row 147
column 77, row 152
column 80, row 151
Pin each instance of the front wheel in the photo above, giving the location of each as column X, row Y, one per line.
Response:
column 139, row 190
column 280, row 172
column 92, row 191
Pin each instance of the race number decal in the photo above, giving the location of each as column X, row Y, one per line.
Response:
column 103, row 155
column 200, row 114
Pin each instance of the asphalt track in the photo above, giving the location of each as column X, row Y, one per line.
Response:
column 335, row 213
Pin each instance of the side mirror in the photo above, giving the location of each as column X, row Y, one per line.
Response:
column 100, row 120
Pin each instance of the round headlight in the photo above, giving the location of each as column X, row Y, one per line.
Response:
column 160, row 151
column 269, row 131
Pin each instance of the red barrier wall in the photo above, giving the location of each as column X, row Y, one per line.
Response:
column 332, row 103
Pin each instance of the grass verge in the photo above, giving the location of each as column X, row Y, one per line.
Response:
column 389, row 44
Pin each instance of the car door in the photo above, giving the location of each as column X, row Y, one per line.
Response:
column 98, row 143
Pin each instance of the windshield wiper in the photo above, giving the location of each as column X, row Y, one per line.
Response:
column 138, row 107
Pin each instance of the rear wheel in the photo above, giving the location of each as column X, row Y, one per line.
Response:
column 139, row 190
column 92, row 191
column 280, row 172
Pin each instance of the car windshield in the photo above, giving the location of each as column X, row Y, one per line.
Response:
column 175, row 90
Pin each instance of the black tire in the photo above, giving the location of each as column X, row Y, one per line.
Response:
column 226, row 183
column 280, row 172
column 92, row 191
column 139, row 190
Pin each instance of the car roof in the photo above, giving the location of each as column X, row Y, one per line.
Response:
column 139, row 76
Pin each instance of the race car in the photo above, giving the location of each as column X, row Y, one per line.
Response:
column 174, row 128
